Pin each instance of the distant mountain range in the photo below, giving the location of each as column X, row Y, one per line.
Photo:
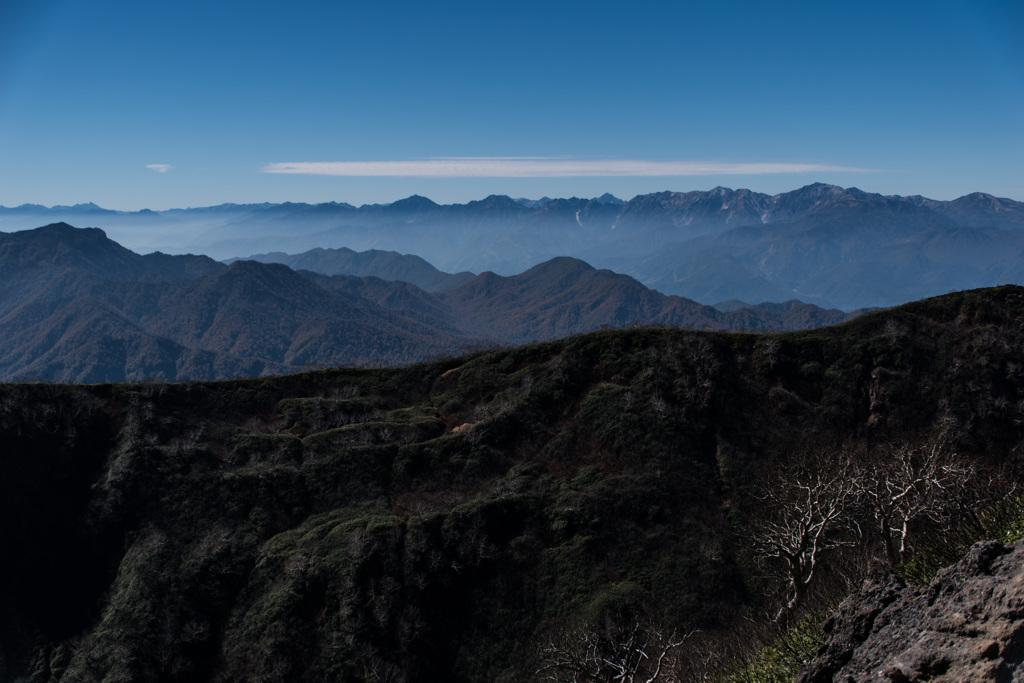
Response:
column 827, row 245
column 76, row 306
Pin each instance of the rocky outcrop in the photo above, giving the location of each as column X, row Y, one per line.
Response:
column 967, row 625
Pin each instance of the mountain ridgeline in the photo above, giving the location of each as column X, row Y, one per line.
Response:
column 387, row 265
column 822, row 244
column 77, row 307
column 471, row 518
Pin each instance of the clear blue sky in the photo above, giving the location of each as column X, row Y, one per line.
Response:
column 134, row 104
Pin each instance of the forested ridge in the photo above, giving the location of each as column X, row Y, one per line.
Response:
column 78, row 307
column 488, row 516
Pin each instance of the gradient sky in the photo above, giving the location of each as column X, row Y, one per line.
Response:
column 134, row 105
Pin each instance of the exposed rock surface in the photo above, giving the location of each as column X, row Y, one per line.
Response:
column 967, row 625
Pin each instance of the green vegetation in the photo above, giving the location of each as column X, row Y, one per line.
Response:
column 781, row 661
column 1003, row 522
column 456, row 520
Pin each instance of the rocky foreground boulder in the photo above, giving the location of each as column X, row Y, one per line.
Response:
column 967, row 625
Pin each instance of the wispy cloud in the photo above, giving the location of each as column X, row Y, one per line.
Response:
column 543, row 167
column 160, row 168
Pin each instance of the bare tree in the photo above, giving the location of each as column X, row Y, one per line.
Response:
column 611, row 653
column 807, row 513
column 378, row 670
column 907, row 484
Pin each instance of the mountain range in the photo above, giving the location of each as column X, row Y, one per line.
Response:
column 489, row 516
column 822, row 244
column 78, row 307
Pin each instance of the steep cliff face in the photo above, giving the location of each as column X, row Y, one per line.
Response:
column 966, row 625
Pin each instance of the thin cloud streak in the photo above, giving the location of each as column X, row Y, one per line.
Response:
column 541, row 167
column 159, row 168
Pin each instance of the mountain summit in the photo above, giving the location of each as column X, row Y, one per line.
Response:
column 832, row 246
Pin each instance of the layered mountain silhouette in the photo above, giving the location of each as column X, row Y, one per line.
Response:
column 389, row 265
column 823, row 244
column 77, row 306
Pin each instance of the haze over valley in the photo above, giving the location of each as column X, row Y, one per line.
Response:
column 511, row 343
column 821, row 244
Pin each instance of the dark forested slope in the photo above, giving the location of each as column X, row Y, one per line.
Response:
column 452, row 520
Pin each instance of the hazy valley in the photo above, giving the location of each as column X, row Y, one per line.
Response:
column 511, row 343
column 821, row 244
column 410, row 473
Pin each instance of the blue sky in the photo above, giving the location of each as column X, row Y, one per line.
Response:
column 170, row 104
